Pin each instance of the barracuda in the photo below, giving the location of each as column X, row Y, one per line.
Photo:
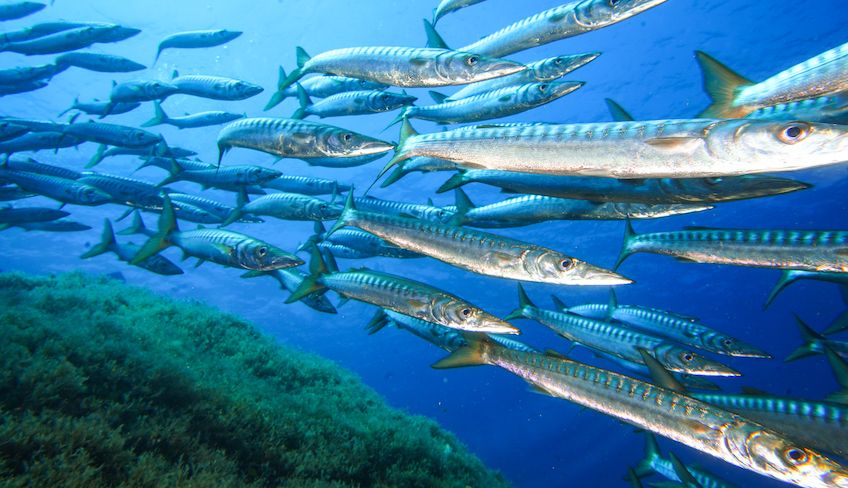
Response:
column 23, row 74
column 688, row 380
column 561, row 22
column 317, row 144
column 351, row 103
column 140, row 91
column 290, row 279
column 477, row 251
column 39, row 30
column 789, row 276
column 320, row 87
column 101, row 108
column 125, row 252
column 682, row 329
column 60, row 189
column 11, row 216
column 499, row 103
column 68, row 40
column 735, row 96
column 196, row 39
column 103, row 63
column 17, row 10
column 285, row 206
column 37, row 141
column 218, row 246
column 548, row 69
column 226, row 178
column 687, row 148
column 828, row 110
column 355, row 244
column 402, row 295
column 404, row 209
column 653, row 462
column 112, row 134
column 219, row 210
column 699, row 425
column 533, row 209
column 126, row 191
column 448, row 6
column 30, row 165
column 815, row 343
column 200, row 119
column 403, row 66
column 807, row 250
column 418, row 164
column 214, row 87
column 306, row 185
column 618, row 341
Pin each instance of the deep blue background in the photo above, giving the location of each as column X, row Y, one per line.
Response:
column 647, row 65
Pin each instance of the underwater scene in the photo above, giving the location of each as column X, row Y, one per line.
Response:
column 264, row 243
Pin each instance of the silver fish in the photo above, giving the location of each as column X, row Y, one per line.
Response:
column 355, row 244
column 40, row 29
column 38, row 141
column 351, row 103
column 17, row 10
column 30, row 165
column 196, row 39
column 200, row 119
column 448, row 6
column 112, row 134
column 215, row 87
column 828, row 110
column 789, row 276
column 653, row 462
column 70, row 40
column 61, row 225
column 126, row 191
column 10, row 215
column 286, row 206
column 290, row 279
column 103, row 63
column 226, row 178
column 59, row 189
column 140, row 91
column 306, row 185
column 23, row 74
column 125, row 252
column 101, row 108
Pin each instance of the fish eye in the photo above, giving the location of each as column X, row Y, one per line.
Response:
column 542, row 88
column 687, row 356
column 347, row 137
column 793, row 455
column 471, row 60
column 566, row 264
column 713, row 181
column 558, row 61
column 613, row 3
column 262, row 251
column 727, row 342
column 793, row 133
column 466, row 312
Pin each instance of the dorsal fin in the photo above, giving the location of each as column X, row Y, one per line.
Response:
column 659, row 374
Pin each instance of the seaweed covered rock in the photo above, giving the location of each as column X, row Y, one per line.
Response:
column 102, row 384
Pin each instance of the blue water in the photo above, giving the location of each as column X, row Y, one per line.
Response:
column 647, row 65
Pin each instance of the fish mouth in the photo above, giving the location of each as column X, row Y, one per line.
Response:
column 374, row 147
column 746, row 351
column 497, row 326
column 503, row 67
column 592, row 275
column 712, row 368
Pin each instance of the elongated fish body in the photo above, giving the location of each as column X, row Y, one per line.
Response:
column 196, row 39
column 61, row 225
column 30, row 165
column 22, row 87
column 690, row 381
column 790, row 276
column 215, row 87
column 306, row 185
column 219, row 210
column 126, row 191
column 103, row 108
column 317, row 144
column 17, row 10
column 391, row 207
column 230, row 249
column 38, row 141
column 167, row 163
column 225, row 177
column 328, row 85
column 356, row 103
column 699, row 425
column 292, row 206
column 548, row 69
column 415, row 299
column 125, row 252
column 449, row 6
column 419, row 164
column 103, row 63
column 828, row 110
column 532, row 209
column 35, row 125
column 112, row 134
column 10, row 216
column 192, row 213
column 648, row 191
column 156, row 151
column 477, row 251
column 806, row 250
column 23, row 74
column 193, row 121
column 291, row 278
column 141, row 91
column 561, row 22
column 358, row 244
column 69, row 40
column 683, row 330
column 10, row 130
column 59, row 189
column 623, row 342
column 39, row 30
column 823, row 425
column 10, row 193
column 822, row 75
column 495, row 104
column 654, row 462
column 408, row 66
column 693, row 148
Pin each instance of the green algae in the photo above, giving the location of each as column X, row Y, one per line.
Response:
column 103, row 384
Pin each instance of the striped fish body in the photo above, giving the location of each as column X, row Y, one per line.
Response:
column 328, row 85
column 113, row 134
column 440, row 336
column 423, row 165
column 414, row 299
column 215, row 87
column 167, row 163
column 306, row 185
column 648, row 191
column 679, row 417
column 29, row 214
column 126, row 191
column 665, row 468
column 406, row 209
column 693, row 148
column 548, row 69
column 561, row 22
column 30, row 165
column 11, row 193
column 827, row 109
column 59, row 189
column 68, row 40
column 689, row 381
column 532, row 209
column 232, row 249
column 480, row 252
column 62, row 225
column 155, row 264
column 17, row 10
column 292, row 206
column 104, row 108
column 9, row 130
column 40, row 29
column 219, row 210
column 141, row 91
column 103, row 63
column 623, row 342
column 495, row 104
column 359, row 103
column 161, row 150
column 344, row 252
column 37, row 141
column 315, row 143
column 410, row 67
column 227, row 177
column 823, row 425
column 202, row 119
column 448, row 6
column 789, row 249
column 23, row 74
column 824, row 74
column 365, row 245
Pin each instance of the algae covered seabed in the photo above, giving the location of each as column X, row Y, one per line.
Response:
column 107, row 384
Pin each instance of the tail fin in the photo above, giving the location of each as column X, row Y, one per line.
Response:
column 406, row 131
column 377, row 322
column 107, row 241
column 434, row 40
column 346, row 215
column 241, row 201
column 839, row 324
column 617, row 111
column 175, row 171
column 840, row 371
column 652, row 453
column 559, row 305
column 612, row 303
column 721, row 84
column 469, row 355
column 453, row 182
column 813, row 342
column 523, row 302
column 97, row 157
column 398, row 173
column 137, row 226
column 159, row 241
column 629, row 234
column 404, row 114
column 311, row 284
column 317, row 236
column 159, row 116
column 437, row 97
column 787, row 277
column 296, row 73
column 305, row 102
column 159, row 50
column 72, row 107
column 280, row 94
column 682, row 471
column 463, row 206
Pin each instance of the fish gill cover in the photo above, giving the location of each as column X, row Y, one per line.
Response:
column 104, row 384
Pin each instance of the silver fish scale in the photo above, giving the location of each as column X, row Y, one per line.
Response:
column 596, row 334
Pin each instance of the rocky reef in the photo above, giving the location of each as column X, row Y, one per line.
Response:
column 103, row 384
